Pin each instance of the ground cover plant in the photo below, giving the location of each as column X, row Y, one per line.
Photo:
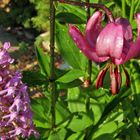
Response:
column 76, row 72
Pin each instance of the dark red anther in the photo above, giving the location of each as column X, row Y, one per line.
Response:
column 118, row 77
column 100, row 77
column 127, row 83
column 113, row 81
column 98, row 80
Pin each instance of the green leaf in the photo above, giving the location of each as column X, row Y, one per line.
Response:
column 97, row 109
column 108, row 128
column 115, row 101
column 67, row 48
column 105, row 137
column 94, row 1
column 58, row 135
column 43, row 60
column 132, row 133
column 135, row 77
column 41, row 109
column 71, row 76
column 128, row 2
column 36, row 78
column 80, row 122
column 76, row 103
column 71, row 18
column 135, row 83
column 74, row 11
column 76, row 136
column 109, row 4
column 61, row 112
column 72, row 84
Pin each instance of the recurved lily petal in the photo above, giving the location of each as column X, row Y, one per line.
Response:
column 84, row 46
column 93, row 28
column 127, row 29
column 110, row 41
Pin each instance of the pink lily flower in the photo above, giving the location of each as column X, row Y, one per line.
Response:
column 113, row 42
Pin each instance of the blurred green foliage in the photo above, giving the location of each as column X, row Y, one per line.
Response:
column 41, row 20
column 27, row 13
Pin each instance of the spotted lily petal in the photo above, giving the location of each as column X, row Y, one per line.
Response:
column 93, row 28
column 83, row 45
column 110, row 41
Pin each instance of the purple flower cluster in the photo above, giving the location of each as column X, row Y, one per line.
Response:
column 15, row 111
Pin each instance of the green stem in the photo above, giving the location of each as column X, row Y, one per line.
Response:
column 131, row 11
column 88, row 10
column 89, row 75
column 52, row 65
column 89, row 63
column 123, row 8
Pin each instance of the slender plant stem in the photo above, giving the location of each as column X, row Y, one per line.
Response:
column 52, row 66
column 90, row 5
column 88, row 10
column 123, row 8
column 89, row 75
column 131, row 11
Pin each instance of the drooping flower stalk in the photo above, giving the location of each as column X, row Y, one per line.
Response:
column 90, row 5
column 15, row 110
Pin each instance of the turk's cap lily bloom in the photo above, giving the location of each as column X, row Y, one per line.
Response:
column 114, row 41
